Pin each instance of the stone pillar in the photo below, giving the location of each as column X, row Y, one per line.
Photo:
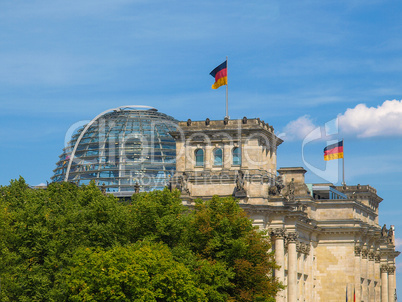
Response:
column 384, row 283
column 377, row 274
column 364, row 268
column 357, row 272
column 371, row 293
column 292, row 267
column 278, row 236
column 301, row 250
column 208, row 157
column 391, row 283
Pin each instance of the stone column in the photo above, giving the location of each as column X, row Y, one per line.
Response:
column 377, row 275
column 384, row 283
column 371, row 293
column 208, row 158
column 364, row 268
column 391, row 283
column 278, row 236
column 357, row 272
column 301, row 250
column 292, row 267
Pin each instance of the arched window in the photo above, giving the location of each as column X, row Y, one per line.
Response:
column 236, row 156
column 199, row 157
column 218, row 157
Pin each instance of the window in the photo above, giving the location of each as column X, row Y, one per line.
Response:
column 218, row 157
column 199, row 157
column 236, row 156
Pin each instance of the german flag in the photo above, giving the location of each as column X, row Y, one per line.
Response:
column 333, row 151
column 220, row 74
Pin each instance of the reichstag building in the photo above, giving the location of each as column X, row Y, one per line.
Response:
column 326, row 238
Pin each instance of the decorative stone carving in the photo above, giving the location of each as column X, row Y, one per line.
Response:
column 240, row 191
column 364, row 253
column 308, row 249
column 391, row 269
column 292, row 236
column 225, row 120
column 390, row 235
column 207, row 121
column 278, row 233
column 244, row 120
column 136, row 188
column 371, row 256
column 358, row 250
column 384, row 231
column 377, row 257
column 183, row 184
column 189, row 122
column 302, row 248
column 291, row 190
column 300, row 207
column 276, row 188
column 384, row 268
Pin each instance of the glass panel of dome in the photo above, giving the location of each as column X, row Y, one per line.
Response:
column 148, row 126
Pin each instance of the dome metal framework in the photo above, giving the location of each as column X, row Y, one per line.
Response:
column 121, row 148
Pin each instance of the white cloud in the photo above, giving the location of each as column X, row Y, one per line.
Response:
column 298, row 129
column 363, row 121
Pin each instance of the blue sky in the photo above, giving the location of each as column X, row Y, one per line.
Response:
column 295, row 64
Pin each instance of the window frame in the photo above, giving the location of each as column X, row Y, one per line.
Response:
column 196, row 156
column 215, row 157
column 238, row 156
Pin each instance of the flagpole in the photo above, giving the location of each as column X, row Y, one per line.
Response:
column 227, row 80
column 343, row 163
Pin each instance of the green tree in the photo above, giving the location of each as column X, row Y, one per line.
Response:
column 54, row 244
column 221, row 231
column 145, row 271
column 43, row 228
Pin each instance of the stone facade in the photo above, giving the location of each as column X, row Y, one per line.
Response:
column 324, row 247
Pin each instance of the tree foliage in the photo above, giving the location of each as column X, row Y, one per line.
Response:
column 69, row 243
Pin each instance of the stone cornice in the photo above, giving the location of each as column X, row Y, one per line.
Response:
column 323, row 203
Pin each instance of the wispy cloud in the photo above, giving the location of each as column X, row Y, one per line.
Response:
column 298, row 129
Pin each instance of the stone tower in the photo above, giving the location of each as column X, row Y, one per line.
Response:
column 226, row 158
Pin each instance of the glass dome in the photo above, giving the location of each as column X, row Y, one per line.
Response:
column 120, row 149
